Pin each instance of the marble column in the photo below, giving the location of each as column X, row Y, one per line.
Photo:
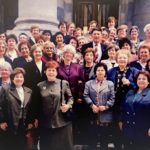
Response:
column 43, row 13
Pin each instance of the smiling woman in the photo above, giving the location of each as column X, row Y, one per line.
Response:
column 17, row 119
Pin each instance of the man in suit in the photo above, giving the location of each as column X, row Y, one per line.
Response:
column 100, row 49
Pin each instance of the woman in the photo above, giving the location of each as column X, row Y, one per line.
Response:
column 5, row 72
column 111, row 61
column 49, row 52
column 3, row 48
column 99, row 95
column 135, row 120
column 16, row 118
column 55, row 131
column 144, row 55
column 25, row 49
column 123, row 79
column 89, row 64
column 73, row 73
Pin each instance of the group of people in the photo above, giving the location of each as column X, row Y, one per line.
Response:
column 102, row 76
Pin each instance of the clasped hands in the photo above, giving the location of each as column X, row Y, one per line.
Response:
column 97, row 109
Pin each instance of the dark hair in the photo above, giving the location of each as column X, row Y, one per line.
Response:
column 100, row 65
column 134, row 27
column 11, row 36
column 123, row 41
column 52, row 64
column 62, row 23
column 47, row 31
column 22, row 33
column 147, row 66
column 96, row 29
column 17, row 71
column 24, row 43
column 145, row 73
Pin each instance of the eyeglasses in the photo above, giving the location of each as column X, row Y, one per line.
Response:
column 49, row 48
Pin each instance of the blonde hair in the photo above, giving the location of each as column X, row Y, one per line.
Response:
column 147, row 26
column 123, row 51
column 69, row 48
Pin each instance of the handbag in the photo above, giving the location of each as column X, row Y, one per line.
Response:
column 68, row 115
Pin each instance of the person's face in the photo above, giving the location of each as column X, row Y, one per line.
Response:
column 100, row 73
column 2, row 49
column 41, row 42
column 126, row 46
column 122, row 33
column 112, row 34
column 92, row 26
column 3, row 37
column 97, row 36
column 51, row 73
column 112, row 53
column 59, row 39
column 37, row 53
column 5, row 73
column 134, row 33
column 25, row 52
column 49, row 49
column 142, row 81
column 71, row 28
column 68, row 56
column 73, row 43
column 81, row 42
column 147, row 33
column 63, row 28
column 144, row 54
column 111, row 24
column 23, row 38
column 122, row 60
column 11, row 43
column 47, row 37
column 18, row 79
column 78, row 33
column 89, row 57
column 35, row 32
column 104, row 35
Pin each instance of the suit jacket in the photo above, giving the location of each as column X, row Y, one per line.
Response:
column 33, row 75
column 7, row 59
column 136, row 114
column 73, row 77
column 48, row 103
column 10, row 107
column 90, row 45
column 106, row 97
column 19, row 62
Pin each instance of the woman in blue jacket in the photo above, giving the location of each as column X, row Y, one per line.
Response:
column 135, row 116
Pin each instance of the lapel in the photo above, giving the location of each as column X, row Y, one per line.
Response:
column 70, row 70
column 102, row 87
column 27, row 95
column 92, row 71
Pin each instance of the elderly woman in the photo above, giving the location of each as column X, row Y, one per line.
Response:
column 123, row 79
column 144, row 55
column 73, row 73
column 49, row 52
column 99, row 95
column 55, row 131
column 135, row 120
column 16, row 117
column 5, row 72
column 111, row 61
column 3, row 58
column 24, row 48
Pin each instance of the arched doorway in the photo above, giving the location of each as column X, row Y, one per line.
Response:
column 99, row 10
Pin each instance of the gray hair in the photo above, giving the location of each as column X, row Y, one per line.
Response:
column 6, row 65
column 69, row 48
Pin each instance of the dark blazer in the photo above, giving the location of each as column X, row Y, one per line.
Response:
column 7, row 59
column 137, row 65
column 75, row 75
column 48, row 103
column 90, row 45
column 31, row 41
column 136, row 114
column 10, row 106
column 33, row 75
column 19, row 62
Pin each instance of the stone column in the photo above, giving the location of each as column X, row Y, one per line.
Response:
column 43, row 13
column 68, row 8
